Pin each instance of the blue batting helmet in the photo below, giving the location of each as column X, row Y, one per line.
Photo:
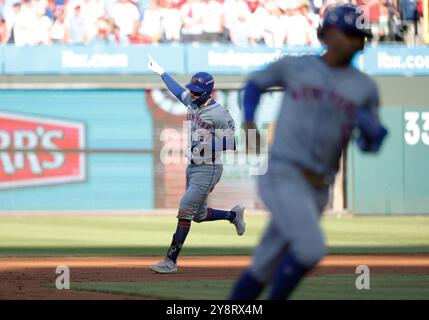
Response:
column 201, row 84
column 348, row 18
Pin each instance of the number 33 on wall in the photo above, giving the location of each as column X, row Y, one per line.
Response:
column 413, row 132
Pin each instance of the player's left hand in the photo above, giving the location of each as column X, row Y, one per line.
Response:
column 154, row 66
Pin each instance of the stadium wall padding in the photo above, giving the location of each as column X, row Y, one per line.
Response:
column 396, row 180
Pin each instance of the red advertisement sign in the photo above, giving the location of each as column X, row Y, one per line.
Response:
column 40, row 151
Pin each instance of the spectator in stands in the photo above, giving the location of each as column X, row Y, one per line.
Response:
column 193, row 14
column 394, row 22
column 178, row 3
column 103, row 29
column 2, row 9
column 136, row 37
column 213, row 27
column 237, row 17
column 372, row 13
column 118, row 37
column 11, row 21
column 39, row 6
column 384, row 22
column 25, row 22
column 42, row 27
column 57, row 32
column 101, row 38
column 252, row 5
column 103, row 23
column 124, row 15
column 316, row 6
column 4, row 33
column 409, row 16
column 298, row 26
column 171, row 21
column 50, row 10
column 420, row 21
column 75, row 27
column 91, row 11
column 258, row 20
column 241, row 22
column 276, row 24
column 151, row 27
column 312, row 19
column 103, row 32
column 108, row 6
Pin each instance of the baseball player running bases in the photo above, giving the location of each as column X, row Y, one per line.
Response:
column 211, row 133
column 325, row 98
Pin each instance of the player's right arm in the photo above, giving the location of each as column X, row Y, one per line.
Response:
column 175, row 88
column 257, row 84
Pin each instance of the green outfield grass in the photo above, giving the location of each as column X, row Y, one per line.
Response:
column 382, row 286
column 149, row 235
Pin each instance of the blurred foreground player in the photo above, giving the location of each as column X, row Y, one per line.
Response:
column 211, row 133
column 325, row 98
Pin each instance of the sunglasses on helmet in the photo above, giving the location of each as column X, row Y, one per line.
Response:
column 197, row 80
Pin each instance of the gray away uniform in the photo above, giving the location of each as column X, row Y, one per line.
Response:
column 203, row 175
column 313, row 127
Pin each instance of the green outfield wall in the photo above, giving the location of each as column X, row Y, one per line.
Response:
column 395, row 181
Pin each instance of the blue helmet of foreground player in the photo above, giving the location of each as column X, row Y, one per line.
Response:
column 201, row 85
column 348, row 18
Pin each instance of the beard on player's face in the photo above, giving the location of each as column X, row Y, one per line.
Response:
column 197, row 99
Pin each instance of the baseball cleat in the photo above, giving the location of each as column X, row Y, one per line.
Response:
column 238, row 222
column 164, row 266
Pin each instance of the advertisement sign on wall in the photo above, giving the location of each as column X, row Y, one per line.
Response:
column 188, row 59
column 238, row 60
column 74, row 150
column 37, row 151
column 396, row 60
column 108, row 59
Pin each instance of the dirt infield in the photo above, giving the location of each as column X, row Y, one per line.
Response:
column 34, row 278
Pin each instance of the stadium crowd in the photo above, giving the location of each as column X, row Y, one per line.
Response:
column 242, row 22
